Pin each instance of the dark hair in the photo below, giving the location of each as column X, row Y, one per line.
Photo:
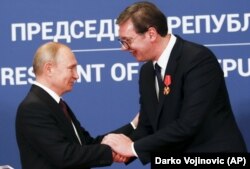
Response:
column 144, row 15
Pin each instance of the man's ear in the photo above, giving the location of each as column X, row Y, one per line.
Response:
column 48, row 68
column 152, row 33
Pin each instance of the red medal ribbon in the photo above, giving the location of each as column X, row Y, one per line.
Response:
column 167, row 80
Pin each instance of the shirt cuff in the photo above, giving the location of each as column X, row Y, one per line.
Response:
column 133, row 149
column 132, row 124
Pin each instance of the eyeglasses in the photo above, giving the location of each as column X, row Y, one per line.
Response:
column 127, row 43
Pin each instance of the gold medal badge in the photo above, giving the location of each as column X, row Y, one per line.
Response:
column 166, row 90
column 167, row 83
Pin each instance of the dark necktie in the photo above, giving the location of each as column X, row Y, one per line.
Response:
column 65, row 109
column 159, row 78
column 63, row 106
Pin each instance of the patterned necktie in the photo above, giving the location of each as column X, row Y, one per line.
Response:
column 65, row 109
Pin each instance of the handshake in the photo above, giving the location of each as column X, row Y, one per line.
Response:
column 121, row 147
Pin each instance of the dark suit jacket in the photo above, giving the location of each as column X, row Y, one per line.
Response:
column 46, row 139
column 195, row 116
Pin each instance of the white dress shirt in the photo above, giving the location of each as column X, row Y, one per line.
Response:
column 163, row 60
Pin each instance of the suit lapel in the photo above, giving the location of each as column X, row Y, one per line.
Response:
column 57, row 112
column 170, row 70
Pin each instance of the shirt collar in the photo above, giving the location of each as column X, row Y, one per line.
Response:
column 163, row 59
column 49, row 91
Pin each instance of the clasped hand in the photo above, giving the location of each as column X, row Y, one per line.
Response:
column 121, row 146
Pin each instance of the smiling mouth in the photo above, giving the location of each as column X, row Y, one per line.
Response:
column 132, row 52
column 72, row 83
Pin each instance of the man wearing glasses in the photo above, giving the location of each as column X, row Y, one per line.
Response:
column 184, row 103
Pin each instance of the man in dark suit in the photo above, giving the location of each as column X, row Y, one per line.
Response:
column 184, row 103
column 49, row 136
